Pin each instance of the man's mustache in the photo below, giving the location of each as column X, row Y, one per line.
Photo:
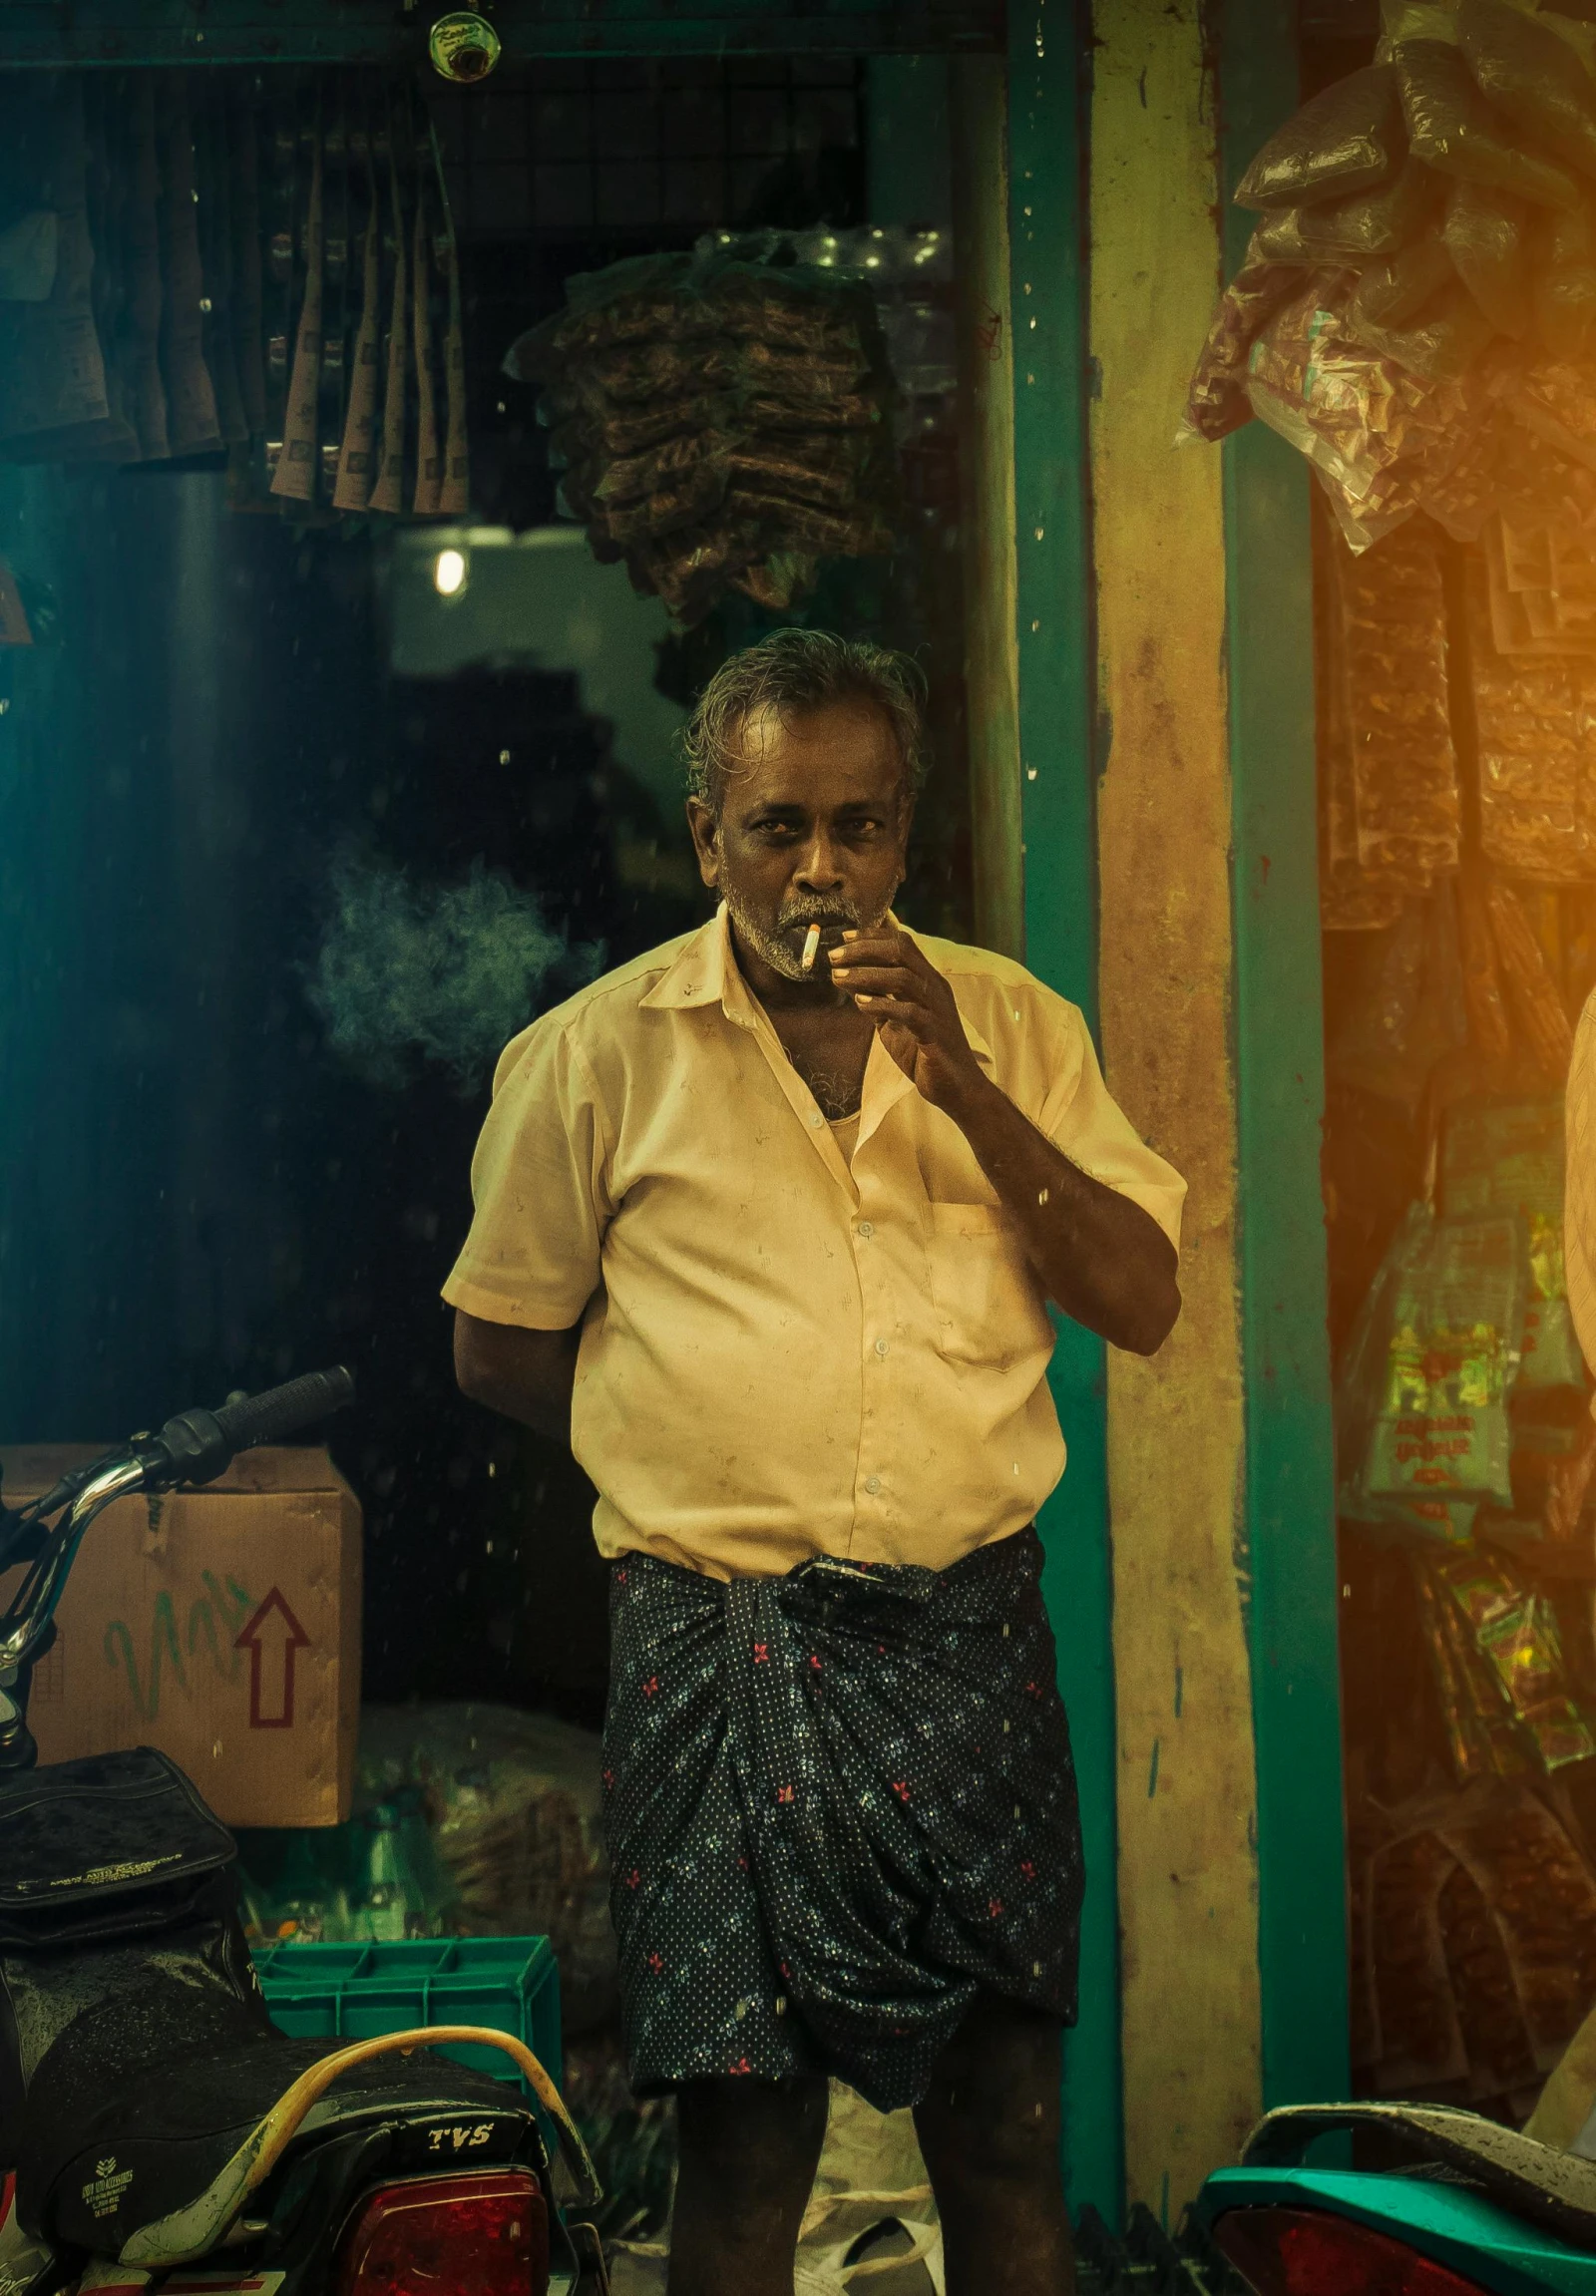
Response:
column 799, row 920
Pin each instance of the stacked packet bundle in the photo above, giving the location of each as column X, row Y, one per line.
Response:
column 720, row 422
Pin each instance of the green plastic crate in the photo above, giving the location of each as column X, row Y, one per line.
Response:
column 355, row 1991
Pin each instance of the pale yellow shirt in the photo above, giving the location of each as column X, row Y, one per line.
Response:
column 1579, row 1188
column 785, row 1353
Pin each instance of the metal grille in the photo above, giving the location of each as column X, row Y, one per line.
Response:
column 656, row 149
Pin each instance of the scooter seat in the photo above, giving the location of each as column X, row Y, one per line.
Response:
column 101, row 2158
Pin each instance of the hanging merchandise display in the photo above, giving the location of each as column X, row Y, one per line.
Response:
column 723, row 420
column 257, row 269
column 1421, row 288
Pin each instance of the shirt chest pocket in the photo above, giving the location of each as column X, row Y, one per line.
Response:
column 987, row 1303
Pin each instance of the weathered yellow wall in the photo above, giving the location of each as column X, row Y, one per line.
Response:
column 1187, row 1879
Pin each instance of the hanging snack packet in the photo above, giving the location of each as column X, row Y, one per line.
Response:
column 1484, row 234
column 1457, row 1313
column 1534, row 77
column 1480, row 1736
column 1508, row 1157
column 1344, row 140
column 1516, row 1632
column 1563, row 285
column 1451, row 126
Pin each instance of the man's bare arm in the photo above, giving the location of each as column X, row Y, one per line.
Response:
column 525, row 1374
column 1101, row 1258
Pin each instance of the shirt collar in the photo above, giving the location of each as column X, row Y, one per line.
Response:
column 705, row 972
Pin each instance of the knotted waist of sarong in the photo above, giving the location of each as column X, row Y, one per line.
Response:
column 839, row 1803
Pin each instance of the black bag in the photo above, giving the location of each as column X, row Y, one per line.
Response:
column 104, row 1864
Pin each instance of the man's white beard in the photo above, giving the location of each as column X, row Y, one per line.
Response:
column 776, row 950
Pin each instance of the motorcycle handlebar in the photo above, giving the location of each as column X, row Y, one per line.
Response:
column 282, row 1412
column 196, row 1447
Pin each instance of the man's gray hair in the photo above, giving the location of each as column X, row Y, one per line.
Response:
column 794, row 672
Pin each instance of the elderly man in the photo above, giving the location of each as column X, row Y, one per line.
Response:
column 767, row 1222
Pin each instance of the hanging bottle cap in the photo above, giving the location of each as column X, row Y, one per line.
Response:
column 462, row 45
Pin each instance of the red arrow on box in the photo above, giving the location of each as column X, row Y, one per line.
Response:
column 272, row 1637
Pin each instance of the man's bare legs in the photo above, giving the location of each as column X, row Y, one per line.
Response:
column 989, row 2129
column 748, row 2151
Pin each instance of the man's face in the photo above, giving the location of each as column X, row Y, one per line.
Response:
column 813, row 826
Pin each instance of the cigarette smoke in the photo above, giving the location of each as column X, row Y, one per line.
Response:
column 410, row 971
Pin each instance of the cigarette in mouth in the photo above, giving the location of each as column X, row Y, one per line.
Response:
column 811, row 947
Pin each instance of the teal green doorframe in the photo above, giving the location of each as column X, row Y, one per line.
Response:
column 1290, row 1490
column 1047, row 89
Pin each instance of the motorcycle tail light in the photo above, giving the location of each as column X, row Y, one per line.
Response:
column 1305, row 2252
column 482, row 2235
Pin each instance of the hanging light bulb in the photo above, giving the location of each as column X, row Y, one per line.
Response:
column 449, row 571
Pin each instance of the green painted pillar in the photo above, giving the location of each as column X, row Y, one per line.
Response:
column 1047, row 232
column 1279, row 1022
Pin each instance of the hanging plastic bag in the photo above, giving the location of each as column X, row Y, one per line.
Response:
column 1451, row 126
column 1441, row 344
column 1357, row 229
column 1508, row 1157
column 871, row 2179
column 1393, row 294
column 1361, row 1393
column 1456, row 1323
column 1533, row 76
column 1484, row 232
column 1564, row 280
column 1346, row 139
column 1218, row 403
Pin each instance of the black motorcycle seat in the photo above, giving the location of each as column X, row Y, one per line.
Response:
column 100, row 2160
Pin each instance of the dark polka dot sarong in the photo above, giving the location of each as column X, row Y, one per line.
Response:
column 839, row 1805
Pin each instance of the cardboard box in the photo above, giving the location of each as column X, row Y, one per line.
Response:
column 220, row 1624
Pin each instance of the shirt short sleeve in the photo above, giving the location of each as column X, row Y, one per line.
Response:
column 539, row 1188
column 1086, row 1123
column 1579, row 1195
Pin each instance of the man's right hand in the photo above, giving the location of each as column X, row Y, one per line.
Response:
column 525, row 1374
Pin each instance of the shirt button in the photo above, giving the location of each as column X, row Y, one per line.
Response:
column 866, row 1230
column 817, row 1120
column 880, row 1347
column 873, row 1484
